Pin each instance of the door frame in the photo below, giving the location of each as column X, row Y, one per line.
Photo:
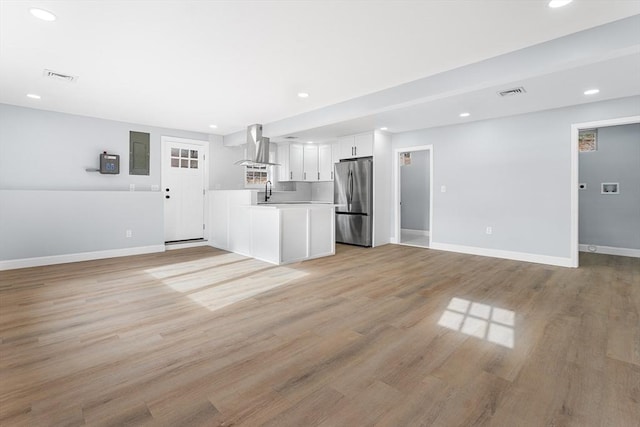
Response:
column 575, row 176
column 164, row 162
column 397, row 189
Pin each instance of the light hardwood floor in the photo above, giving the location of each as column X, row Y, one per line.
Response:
column 389, row 336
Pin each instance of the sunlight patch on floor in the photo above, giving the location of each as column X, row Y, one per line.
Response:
column 482, row 321
column 218, row 281
column 179, row 268
column 213, row 276
column 217, row 297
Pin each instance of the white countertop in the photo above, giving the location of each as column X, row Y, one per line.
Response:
column 293, row 205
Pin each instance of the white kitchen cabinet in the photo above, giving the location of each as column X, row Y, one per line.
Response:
column 291, row 159
column 277, row 234
column 310, row 162
column 325, row 162
column 360, row 145
column 363, row 144
column 346, row 144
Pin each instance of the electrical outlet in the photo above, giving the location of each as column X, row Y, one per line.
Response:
column 129, row 233
column 489, row 230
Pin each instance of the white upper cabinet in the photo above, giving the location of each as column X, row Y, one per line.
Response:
column 283, row 159
column 364, row 144
column 346, row 144
column 325, row 162
column 290, row 157
column 296, row 165
column 307, row 162
column 310, row 163
column 353, row 146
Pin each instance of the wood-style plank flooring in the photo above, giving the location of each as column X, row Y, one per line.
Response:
column 389, row 336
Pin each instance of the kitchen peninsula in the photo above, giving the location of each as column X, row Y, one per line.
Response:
column 275, row 233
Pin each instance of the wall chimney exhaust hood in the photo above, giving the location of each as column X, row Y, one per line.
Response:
column 257, row 148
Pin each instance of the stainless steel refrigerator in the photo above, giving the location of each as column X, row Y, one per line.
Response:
column 353, row 195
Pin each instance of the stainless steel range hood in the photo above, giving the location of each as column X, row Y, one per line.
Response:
column 257, row 148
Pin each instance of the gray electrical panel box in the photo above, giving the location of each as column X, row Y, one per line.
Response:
column 139, row 153
column 109, row 163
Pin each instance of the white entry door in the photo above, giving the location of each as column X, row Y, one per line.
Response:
column 183, row 173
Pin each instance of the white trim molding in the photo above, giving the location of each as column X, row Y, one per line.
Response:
column 83, row 256
column 497, row 253
column 609, row 250
column 396, row 189
column 575, row 129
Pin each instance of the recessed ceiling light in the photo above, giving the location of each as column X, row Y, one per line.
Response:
column 213, row 126
column 33, row 96
column 591, row 91
column 465, row 114
column 45, row 15
column 558, row 3
column 384, row 128
column 303, row 95
column 309, row 142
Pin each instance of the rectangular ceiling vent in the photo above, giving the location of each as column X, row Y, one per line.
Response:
column 59, row 76
column 510, row 92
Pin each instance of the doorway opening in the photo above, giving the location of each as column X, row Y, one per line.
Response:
column 184, row 183
column 577, row 186
column 414, row 195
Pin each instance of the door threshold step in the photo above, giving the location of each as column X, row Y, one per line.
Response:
column 182, row 244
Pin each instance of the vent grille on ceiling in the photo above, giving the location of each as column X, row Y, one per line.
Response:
column 510, row 92
column 59, row 76
column 290, row 137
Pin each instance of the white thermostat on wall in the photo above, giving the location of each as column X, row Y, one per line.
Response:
column 109, row 163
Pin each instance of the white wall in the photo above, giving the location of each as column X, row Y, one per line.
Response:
column 49, row 224
column 51, row 206
column 512, row 174
column 224, row 173
column 382, row 179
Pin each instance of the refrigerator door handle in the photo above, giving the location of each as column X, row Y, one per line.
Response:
column 350, row 189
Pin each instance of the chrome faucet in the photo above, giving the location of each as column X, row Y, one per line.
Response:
column 267, row 193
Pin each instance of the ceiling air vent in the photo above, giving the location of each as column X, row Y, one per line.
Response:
column 59, row 76
column 290, row 137
column 510, row 92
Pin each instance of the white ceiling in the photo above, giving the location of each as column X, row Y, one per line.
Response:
column 187, row 64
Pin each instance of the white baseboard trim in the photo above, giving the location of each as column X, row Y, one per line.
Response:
column 415, row 232
column 497, row 253
column 83, row 256
column 610, row 250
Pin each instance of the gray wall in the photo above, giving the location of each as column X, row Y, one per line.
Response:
column 414, row 185
column 49, row 204
column 512, row 174
column 612, row 220
column 46, row 150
